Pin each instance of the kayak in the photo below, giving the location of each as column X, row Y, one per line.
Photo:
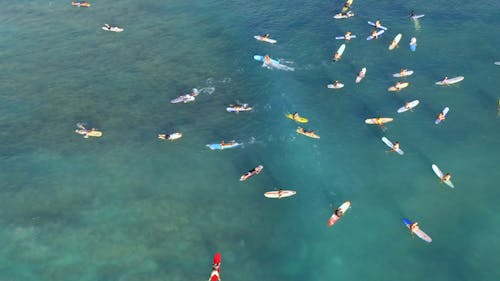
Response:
column 395, row 41
column 310, row 134
column 440, row 175
column 380, row 27
column 171, row 137
column 445, row 112
column 407, row 73
column 408, row 106
column 361, row 75
column 333, row 86
column 343, row 37
column 380, row 32
column 89, row 133
column 184, row 99
column 298, row 119
column 252, row 173
column 391, row 145
column 238, row 108
column 450, row 81
column 278, row 194
column 340, row 51
column 264, row 39
column 113, row 28
column 219, row 146
column 401, row 86
column 413, row 44
column 415, row 17
column 417, row 231
column 373, row 121
column 334, row 218
column 341, row 16
column 81, row 4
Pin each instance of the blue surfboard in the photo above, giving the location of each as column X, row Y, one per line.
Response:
column 218, row 146
column 407, row 222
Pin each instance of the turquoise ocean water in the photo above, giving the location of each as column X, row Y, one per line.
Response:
column 129, row 207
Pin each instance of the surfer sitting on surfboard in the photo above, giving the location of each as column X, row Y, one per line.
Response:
column 336, row 57
column 339, row 213
column 402, row 72
column 374, row 34
column 223, row 144
column 265, row 36
column 336, row 84
column 441, row 116
column 446, row 177
column 445, row 80
column 413, row 227
column 214, row 276
column 398, row 85
column 395, row 146
column 412, row 13
column 347, row 36
column 377, row 23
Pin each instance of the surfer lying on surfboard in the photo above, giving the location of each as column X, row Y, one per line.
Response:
column 395, row 147
column 412, row 227
column 441, row 116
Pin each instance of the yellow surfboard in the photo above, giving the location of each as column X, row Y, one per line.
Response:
column 298, row 119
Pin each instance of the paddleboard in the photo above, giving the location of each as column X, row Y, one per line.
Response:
column 340, row 51
column 278, row 194
column 450, row 81
column 218, row 146
column 89, row 133
column 301, row 131
column 334, row 218
column 380, row 27
column 341, row 16
column 338, row 86
column 113, row 29
column 413, row 44
column 417, row 231
column 416, row 17
column 445, row 112
column 407, row 73
column 440, row 175
column 252, row 173
column 380, row 32
column 298, row 119
column 361, row 75
column 238, row 108
column 401, row 86
column 391, row 145
column 409, row 106
column 263, row 39
column 395, row 41
column 171, row 137
column 373, row 121
column 343, row 37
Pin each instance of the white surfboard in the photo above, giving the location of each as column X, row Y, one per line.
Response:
column 112, row 28
column 380, row 27
column 338, row 86
column 408, row 106
column 391, row 145
column 497, row 62
column 450, row 81
column 415, row 17
column 380, row 32
column 440, row 175
column 343, row 37
column 278, row 194
column 341, row 16
column 361, row 75
column 341, row 49
column 395, row 41
column 407, row 73
column 263, row 39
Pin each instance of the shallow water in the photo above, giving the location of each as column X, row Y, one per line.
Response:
column 130, row 207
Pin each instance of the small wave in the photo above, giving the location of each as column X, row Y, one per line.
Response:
column 207, row 90
column 226, row 80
